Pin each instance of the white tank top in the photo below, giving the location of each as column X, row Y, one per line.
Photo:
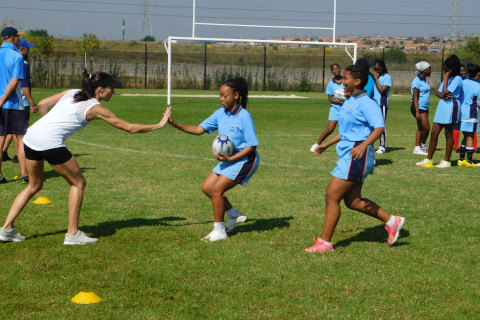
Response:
column 64, row 119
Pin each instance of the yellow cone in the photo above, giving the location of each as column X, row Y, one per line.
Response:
column 17, row 177
column 42, row 200
column 86, row 297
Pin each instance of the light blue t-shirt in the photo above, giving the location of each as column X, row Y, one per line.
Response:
column 385, row 80
column 359, row 115
column 331, row 87
column 424, row 92
column 455, row 86
column 471, row 92
column 237, row 125
column 11, row 66
column 369, row 87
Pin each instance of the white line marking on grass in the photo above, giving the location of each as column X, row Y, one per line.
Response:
column 277, row 165
column 183, row 156
column 292, row 96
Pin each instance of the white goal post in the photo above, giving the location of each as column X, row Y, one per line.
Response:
column 174, row 39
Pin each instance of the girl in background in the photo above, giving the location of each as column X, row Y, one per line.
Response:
column 469, row 115
column 336, row 104
column 451, row 94
column 420, row 90
column 383, row 82
column 233, row 120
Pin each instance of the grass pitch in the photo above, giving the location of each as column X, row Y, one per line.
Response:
column 143, row 200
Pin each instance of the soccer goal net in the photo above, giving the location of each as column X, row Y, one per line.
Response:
column 281, row 63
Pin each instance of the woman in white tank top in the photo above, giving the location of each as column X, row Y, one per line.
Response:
column 45, row 140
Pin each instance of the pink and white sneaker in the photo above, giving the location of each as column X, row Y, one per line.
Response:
column 320, row 246
column 394, row 229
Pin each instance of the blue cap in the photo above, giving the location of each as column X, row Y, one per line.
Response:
column 25, row 44
column 10, row 32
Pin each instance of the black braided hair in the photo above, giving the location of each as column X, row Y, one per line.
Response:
column 239, row 85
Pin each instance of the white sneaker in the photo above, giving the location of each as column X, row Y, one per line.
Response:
column 79, row 238
column 444, row 164
column 11, row 235
column 381, row 149
column 314, row 147
column 424, row 161
column 419, row 150
column 215, row 235
column 232, row 222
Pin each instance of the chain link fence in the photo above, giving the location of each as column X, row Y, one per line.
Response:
column 270, row 68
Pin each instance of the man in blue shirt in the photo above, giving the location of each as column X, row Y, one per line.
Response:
column 27, row 100
column 12, row 116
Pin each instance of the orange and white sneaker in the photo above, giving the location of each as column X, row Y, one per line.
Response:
column 320, row 246
column 394, row 229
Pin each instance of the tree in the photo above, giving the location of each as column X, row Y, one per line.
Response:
column 89, row 45
column 395, row 55
column 44, row 46
column 149, row 38
column 470, row 50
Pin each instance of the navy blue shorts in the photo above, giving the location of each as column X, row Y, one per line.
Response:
column 53, row 156
column 13, row 121
column 414, row 111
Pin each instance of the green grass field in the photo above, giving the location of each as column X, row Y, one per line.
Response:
column 144, row 203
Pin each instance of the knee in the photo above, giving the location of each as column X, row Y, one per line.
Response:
column 35, row 186
column 216, row 192
column 206, row 189
column 331, row 198
column 81, row 184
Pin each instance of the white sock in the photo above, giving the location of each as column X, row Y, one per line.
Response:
column 220, row 226
column 391, row 221
column 326, row 242
column 233, row 213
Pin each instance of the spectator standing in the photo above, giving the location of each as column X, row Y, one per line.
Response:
column 12, row 116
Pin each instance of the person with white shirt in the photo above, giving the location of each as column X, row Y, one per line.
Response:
column 45, row 140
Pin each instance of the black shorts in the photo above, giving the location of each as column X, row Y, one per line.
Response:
column 414, row 111
column 53, row 156
column 13, row 121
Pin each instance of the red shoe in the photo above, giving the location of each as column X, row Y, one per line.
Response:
column 320, row 246
column 394, row 229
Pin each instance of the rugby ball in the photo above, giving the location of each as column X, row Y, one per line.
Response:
column 340, row 94
column 223, row 144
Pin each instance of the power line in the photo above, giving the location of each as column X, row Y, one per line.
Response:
column 234, row 18
column 256, row 10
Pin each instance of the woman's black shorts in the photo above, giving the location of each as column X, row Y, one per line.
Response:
column 53, row 156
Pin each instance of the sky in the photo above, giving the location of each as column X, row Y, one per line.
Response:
column 104, row 18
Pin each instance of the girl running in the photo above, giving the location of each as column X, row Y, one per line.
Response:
column 45, row 140
column 420, row 90
column 233, row 120
column 360, row 124
column 451, row 94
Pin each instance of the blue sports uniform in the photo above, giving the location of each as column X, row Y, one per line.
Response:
column 25, row 83
column 469, row 108
column 334, row 107
column 370, row 87
column 423, row 92
column 448, row 109
column 385, row 80
column 358, row 117
column 11, row 66
column 12, row 115
column 238, row 126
